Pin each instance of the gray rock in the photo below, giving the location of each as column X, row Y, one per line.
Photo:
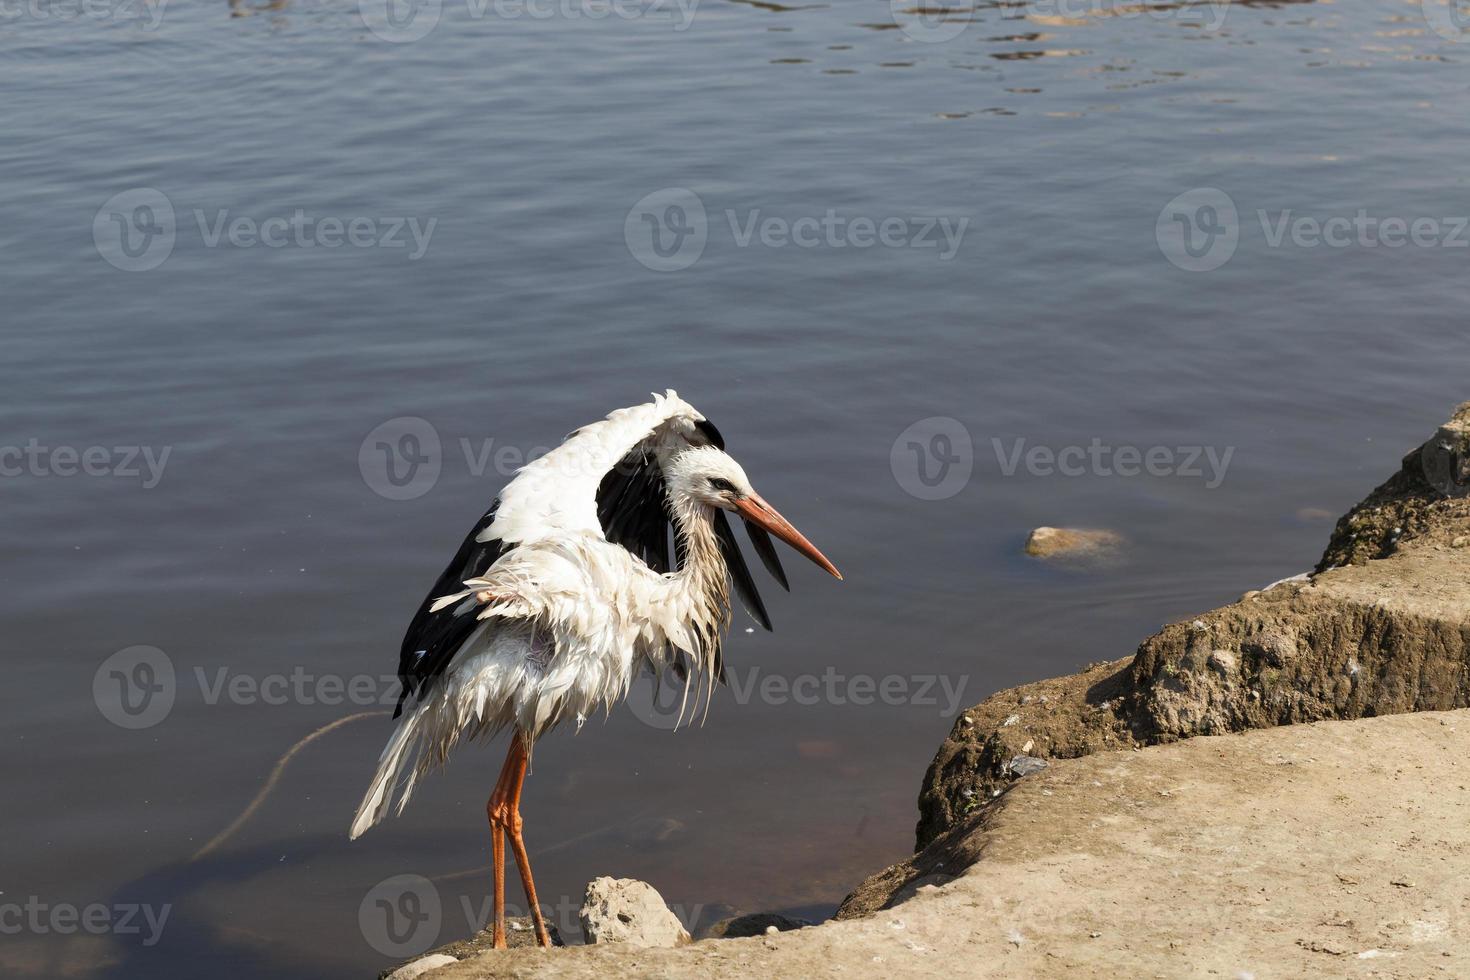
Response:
column 420, row 966
column 1024, row 765
column 624, row 910
column 754, row 924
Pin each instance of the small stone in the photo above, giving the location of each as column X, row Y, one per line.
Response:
column 1461, row 541
column 1024, row 765
column 624, row 910
column 1072, row 542
column 420, row 966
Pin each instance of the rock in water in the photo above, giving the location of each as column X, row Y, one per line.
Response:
column 1072, row 542
column 623, row 910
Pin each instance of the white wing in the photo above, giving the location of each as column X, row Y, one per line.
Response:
column 557, row 493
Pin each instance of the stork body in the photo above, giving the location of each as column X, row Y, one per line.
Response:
column 565, row 589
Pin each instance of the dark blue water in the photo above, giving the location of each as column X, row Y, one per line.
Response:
column 206, row 227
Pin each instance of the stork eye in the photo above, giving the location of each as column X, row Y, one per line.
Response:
column 721, row 484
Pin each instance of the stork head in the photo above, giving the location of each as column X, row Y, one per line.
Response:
column 711, row 477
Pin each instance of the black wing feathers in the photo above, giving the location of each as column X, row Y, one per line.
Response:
column 761, row 539
column 633, row 508
column 433, row 638
column 740, row 572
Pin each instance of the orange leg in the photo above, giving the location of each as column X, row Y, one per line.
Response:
column 504, row 811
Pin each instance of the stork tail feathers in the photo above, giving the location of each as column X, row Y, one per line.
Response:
column 401, row 749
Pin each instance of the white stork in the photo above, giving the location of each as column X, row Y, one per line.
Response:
column 564, row 589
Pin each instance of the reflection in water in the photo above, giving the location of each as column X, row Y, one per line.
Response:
column 249, row 8
column 1033, row 55
column 779, row 8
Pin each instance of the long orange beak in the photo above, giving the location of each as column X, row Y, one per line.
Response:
column 754, row 508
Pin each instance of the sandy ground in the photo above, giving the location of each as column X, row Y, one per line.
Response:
column 1331, row 849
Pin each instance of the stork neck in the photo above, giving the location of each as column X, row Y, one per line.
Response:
column 700, row 589
column 703, row 566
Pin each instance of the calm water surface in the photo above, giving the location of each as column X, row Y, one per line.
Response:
column 1051, row 137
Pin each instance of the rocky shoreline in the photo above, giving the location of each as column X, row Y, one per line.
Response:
column 1083, row 771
